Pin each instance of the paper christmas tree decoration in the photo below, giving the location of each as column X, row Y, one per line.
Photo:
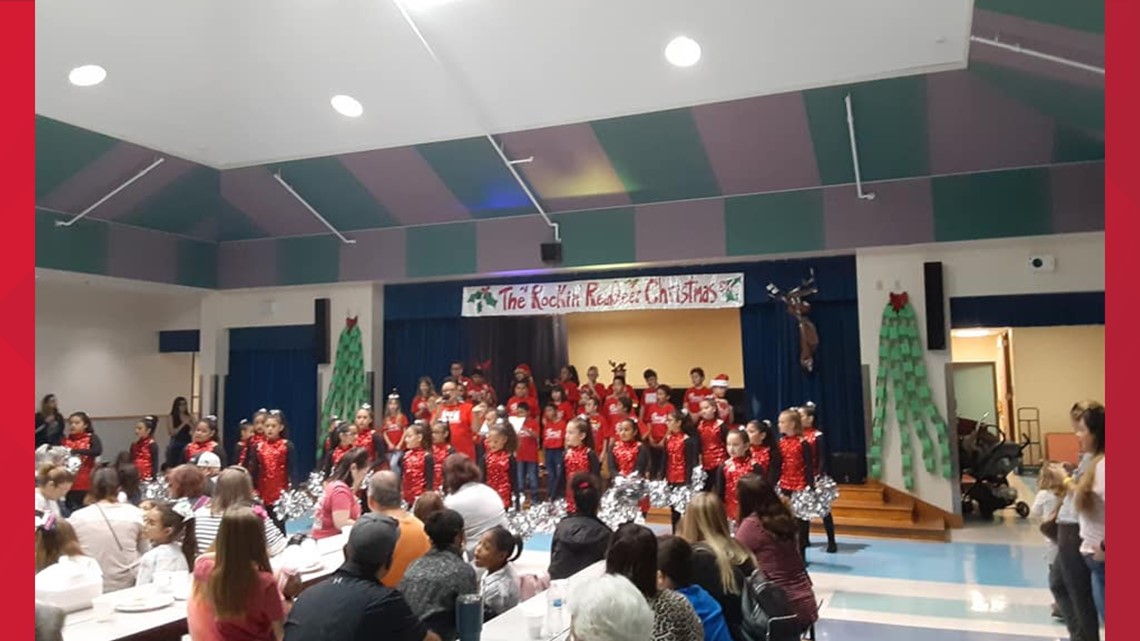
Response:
column 348, row 389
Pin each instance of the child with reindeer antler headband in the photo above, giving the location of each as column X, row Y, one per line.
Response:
column 479, row 390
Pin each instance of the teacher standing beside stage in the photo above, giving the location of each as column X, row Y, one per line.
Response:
column 456, row 412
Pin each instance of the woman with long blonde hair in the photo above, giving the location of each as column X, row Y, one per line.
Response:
column 720, row 563
column 235, row 593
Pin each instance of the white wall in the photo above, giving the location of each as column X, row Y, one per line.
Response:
column 223, row 310
column 979, row 268
column 97, row 349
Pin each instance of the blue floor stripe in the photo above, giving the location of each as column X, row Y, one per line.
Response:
column 857, row 631
column 971, row 563
column 943, row 608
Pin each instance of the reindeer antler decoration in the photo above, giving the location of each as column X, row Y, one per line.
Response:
column 617, row 368
column 799, row 307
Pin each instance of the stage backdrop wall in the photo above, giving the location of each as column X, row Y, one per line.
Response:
column 423, row 333
column 670, row 342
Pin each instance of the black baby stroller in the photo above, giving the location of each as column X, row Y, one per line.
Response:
column 986, row 459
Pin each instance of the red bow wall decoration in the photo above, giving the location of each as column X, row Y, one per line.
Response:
column 899, row 301
column 351, row 322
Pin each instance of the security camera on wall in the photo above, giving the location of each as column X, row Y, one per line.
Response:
column 1042, row 264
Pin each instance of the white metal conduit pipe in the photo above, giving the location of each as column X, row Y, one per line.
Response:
column 508, row 163
column 855, row 152
column 111, row 194
column 1016, row 48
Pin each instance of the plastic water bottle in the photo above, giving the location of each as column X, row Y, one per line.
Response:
column 556, row 620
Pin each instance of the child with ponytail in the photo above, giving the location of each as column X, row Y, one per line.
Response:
column 170, row 529
column 144, row 450
column 495, row 552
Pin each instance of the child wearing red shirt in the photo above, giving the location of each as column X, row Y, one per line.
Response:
column 553, row 444
column 723, row 407
column 599, row 426
column 521, row 395
column 568, row 381
column 527, row 455
column 657, row 416
column 619, row 389
column 649, row 396
column 566, row 409
column 593, row 386
column 423, row 404
column 698, row 392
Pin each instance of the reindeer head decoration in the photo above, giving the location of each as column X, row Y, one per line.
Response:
column 617, row 369
column 798, row 307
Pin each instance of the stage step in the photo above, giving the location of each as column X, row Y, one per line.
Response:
column 873, row 510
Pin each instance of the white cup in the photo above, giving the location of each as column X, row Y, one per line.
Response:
column 164, row 582
column 102, row 608
column 534, row 619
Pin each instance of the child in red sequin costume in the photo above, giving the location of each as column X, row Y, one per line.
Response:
column 368, row 437
column 344, row 437
column 273, row 464
column 144, row 449
column 580, row 456
column 712, row 432
column 258, row 428
column 629, row 454
column 499, row 466
column 796, row 466
column 395, row 422
column 763, row 445
column 419, row 467
column 84, row 443
column 814, row 438
column 204, row 438
column 245, row 442
column 728, row 475
column 440, row 449
column 682, row 453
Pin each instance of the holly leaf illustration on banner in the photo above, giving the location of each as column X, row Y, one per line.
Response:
column 729, row 287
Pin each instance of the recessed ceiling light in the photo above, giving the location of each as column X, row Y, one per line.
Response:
column 87, row 75
column 683, row 51
column 347, row 106
column 971, row 333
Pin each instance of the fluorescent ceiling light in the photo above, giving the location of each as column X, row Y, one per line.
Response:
column 971, row 333
column 347, row 106
column 683, row 51
column 87, row 75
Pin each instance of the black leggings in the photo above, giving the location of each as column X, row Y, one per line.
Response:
column 1071, row 585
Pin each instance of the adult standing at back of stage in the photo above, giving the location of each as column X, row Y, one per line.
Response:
column 50, row 424
column 456, row 412
column 181, row 425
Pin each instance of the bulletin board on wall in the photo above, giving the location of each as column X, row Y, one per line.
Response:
column 670, row 342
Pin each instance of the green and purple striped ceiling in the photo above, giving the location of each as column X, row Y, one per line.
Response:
column 1010, row 146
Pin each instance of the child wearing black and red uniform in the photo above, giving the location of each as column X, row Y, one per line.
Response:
column 814, row 438
column 367, row 436
column 730, row 472
column 84, row 443
column 656, row 417
column 245, row 443
column 144, row 450
column 204, row 438
column 763, row 445
column 273, row 464
column 697, row 393
column 796, row 466
column 528, row 431
column 553, row 447
column 580, row 456
column 712, row 432
column 629, row 454
column 344, row 437
column 440, row 449
column 681, row 453
column 419, row 467
column 499, row 466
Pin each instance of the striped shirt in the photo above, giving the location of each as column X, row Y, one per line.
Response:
column 206, row 526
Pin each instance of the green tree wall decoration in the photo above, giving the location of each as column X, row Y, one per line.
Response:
column 348, row 389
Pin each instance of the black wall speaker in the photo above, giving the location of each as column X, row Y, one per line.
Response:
column 321, row 330
column 935, row 306
column 552, row 253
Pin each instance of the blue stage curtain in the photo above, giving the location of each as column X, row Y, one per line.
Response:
column 420, row 347
column 275, row 368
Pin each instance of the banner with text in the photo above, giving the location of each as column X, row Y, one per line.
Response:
column 701, row 291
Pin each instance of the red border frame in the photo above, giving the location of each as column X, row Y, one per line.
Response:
column 17, row 260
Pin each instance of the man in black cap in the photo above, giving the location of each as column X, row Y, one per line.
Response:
column 352, row 604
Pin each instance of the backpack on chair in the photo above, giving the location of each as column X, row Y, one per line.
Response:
column 767, row 616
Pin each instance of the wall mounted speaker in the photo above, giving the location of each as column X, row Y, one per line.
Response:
column 321, row 330
column 552, row 253
column 935, row 306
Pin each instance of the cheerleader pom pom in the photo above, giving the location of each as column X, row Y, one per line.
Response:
column 156, row 490
column 294, row 504
column 621, row 503
column 537, row 519
column 659, row 493
column 815, row 502
column 73, row 464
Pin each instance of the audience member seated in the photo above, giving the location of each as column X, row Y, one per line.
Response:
column 53, row 482
column 720, row 562
column 187, row 481
column 355, row 603
column 675, row 572
column 384, row 499
column 434, row 581
column 234, row 489
column 478, row 504
column 111, row 532
column 769, row 531
column 49, row 622
column 235, row 594
column 500, row 586
column 609, row 609
column 581, row 539
column 65, row 578
column 427, row 504
column 633, row 554
column 339, row 507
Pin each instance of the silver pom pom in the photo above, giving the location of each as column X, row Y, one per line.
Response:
column 622, row 502
column 537, row 519
column 815, row 502
column 301, row 501
column 74, row 463
column 155, row 490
